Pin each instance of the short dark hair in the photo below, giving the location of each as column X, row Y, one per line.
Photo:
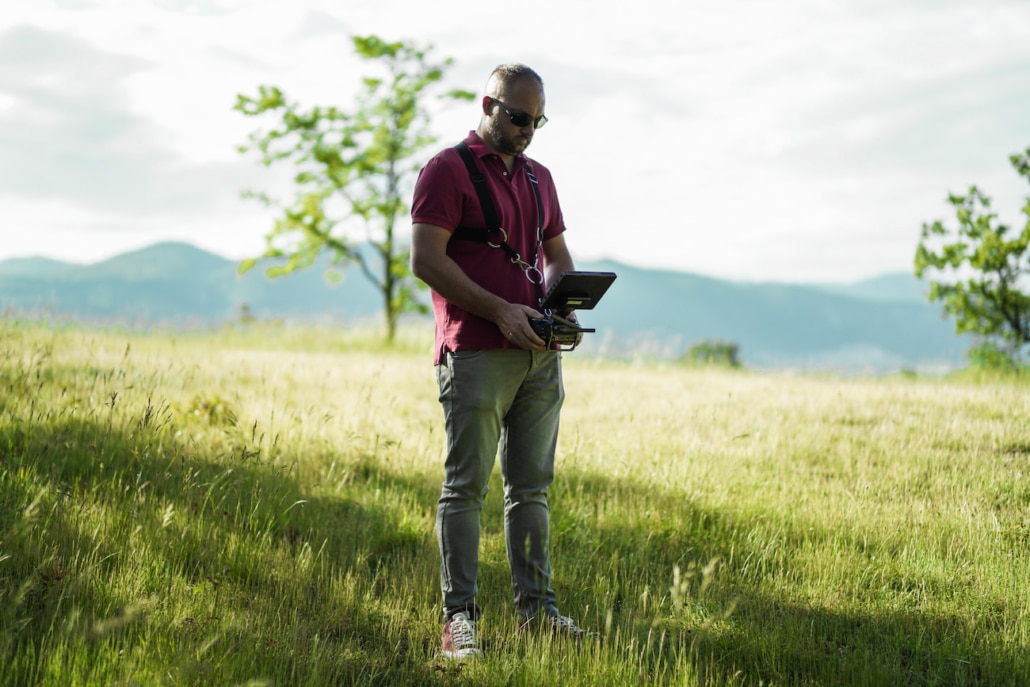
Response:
column 507, row 74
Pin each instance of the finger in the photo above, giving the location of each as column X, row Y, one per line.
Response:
column 530, row 311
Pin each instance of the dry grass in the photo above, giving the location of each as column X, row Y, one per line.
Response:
column 256, row 507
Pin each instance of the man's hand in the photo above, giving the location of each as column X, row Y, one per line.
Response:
column 514, row 324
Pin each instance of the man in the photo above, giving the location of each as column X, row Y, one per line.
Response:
column 500, row 388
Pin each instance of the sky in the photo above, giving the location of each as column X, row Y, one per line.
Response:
column 753, row 140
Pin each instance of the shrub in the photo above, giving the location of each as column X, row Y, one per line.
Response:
column 713, row 352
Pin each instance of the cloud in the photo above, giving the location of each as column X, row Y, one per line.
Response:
column 69, row 132
column 320, row 24
column 750, row 138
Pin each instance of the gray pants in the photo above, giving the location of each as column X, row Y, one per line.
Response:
column 504, row 402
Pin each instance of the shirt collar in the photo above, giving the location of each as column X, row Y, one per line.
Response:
column 481, row 150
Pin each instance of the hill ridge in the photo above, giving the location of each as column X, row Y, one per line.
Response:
column 880, row 323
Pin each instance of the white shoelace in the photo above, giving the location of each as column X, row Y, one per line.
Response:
column 463, row 633
column 567, row 624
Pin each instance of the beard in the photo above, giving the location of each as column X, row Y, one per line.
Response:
column 503, row 142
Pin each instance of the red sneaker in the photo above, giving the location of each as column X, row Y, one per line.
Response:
column 459, row 637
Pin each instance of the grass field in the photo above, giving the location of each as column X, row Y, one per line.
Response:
column 257, row 507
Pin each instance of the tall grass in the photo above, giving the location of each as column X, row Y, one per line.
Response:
column 256, row 507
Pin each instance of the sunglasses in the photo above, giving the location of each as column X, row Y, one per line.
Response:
column 519, row 118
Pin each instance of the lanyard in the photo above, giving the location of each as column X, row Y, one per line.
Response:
column 493, row 224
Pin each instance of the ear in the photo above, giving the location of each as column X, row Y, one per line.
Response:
column 487, row 104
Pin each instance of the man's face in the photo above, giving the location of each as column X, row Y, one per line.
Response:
column 524, row 96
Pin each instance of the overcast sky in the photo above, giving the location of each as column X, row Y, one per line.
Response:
column 787, row 140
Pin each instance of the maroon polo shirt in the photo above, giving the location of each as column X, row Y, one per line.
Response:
column 445, row 197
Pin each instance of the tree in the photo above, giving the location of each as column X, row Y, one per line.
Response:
column 352, row 172
column 714, row 353
column 977, row 271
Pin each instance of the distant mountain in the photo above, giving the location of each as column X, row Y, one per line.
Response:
column 777, row 325
column 874, row 325
column 178, row 284
column 898, row 286
column 17, row 267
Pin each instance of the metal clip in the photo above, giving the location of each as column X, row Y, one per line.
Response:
column 539, row 275
column 504, row 238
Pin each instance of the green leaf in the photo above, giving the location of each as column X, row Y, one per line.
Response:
column 975, row 271
column 353, row 165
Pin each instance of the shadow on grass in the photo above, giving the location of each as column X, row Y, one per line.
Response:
column 732, row 631
column 226, row 533
column 229, row 525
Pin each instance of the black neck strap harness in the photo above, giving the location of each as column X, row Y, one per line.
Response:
column 493, row 223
